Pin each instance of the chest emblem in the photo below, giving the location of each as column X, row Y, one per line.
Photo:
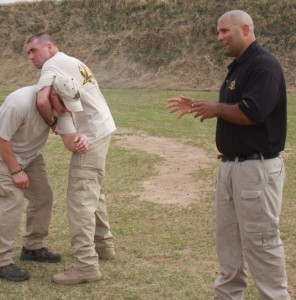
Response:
column 232, row 85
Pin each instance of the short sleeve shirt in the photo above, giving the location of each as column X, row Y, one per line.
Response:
column 65, row 124
column 256, row 83
column 22, row 125
column 95, row 121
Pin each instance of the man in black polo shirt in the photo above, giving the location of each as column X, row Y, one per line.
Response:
column 251, row 132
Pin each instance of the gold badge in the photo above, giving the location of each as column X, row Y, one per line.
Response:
column 232, row 85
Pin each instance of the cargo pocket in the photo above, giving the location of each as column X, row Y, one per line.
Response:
column 263, row 235
column 251, row 204
column 79, row 178
column 84, row 188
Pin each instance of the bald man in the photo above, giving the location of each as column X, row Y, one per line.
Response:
column 250, row 134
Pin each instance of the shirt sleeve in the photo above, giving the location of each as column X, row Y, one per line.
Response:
column 12, row 118
column 65, row 124
column 261, row 94
column 46, row 79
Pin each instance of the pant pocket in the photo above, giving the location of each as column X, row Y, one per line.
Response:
column 251, row 204
column 263, row 235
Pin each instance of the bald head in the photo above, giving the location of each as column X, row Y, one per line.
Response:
column 240, row 17
column 235, row 32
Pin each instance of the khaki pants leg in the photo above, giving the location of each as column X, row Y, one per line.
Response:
column 11, row 202
column 39, row 208
column 103, row 237
column 232, row 280
column 256, row 191
column 87, row 210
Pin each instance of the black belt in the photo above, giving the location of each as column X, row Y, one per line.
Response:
column 255, row 156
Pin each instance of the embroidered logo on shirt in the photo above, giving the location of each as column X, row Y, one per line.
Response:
column 232, row 85
column 86, row 74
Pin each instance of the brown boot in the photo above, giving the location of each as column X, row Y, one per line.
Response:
column 106, row 253
column 76, row 276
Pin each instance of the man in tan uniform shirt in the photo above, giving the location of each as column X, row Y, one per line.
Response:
column 23, row 174
column 91, row 237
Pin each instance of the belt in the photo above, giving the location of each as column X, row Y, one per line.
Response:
column 255, row 156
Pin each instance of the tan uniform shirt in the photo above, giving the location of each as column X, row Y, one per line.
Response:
column 22, row 125
column 95, row 121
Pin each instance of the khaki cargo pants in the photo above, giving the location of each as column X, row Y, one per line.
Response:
column 87, row 210
column 39, row 209
column 248, row 205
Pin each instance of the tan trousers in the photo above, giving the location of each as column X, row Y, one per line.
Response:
column 248, row 205
column 87, row 210
column 39, row 209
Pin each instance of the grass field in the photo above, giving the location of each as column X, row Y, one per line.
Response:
column 163, row 251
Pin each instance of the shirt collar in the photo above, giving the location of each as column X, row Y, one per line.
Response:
column 248, row 52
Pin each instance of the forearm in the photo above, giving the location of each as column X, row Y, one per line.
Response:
column 75, row 142
column 232, row 113
column 8, row 156
column 44, row 105
column 229, row 112
column 68, row 140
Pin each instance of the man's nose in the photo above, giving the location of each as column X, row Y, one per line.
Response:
column 219, row 37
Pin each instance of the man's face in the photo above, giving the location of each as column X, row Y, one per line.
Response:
column 230, row 37
column 56, row 103
column 39, row 53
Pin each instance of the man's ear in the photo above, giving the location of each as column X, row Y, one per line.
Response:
column 246, row 29
column 50, row 48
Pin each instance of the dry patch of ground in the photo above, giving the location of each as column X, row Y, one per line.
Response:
column 173, row 183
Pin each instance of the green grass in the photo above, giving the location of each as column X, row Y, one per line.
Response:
column 164, row 251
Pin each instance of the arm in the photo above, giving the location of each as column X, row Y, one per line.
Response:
column 208, row 110
column 44, row 106
column 75, row 142
column 228, row 112
column 20, row 178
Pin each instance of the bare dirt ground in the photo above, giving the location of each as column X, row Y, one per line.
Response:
column 173, row 183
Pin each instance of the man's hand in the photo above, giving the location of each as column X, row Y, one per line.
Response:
column 186, row 105
column 205, row 110
column 182, row 104
column 82, row 144
column 21, row 180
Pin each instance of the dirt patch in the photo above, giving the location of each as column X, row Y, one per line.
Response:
column 173, row 183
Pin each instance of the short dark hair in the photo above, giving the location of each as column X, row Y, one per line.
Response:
column 42, row 38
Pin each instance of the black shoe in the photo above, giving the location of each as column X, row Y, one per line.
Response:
column 42, row 255
column 13, row 273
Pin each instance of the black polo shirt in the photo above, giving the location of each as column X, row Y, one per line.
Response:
column 256, row 82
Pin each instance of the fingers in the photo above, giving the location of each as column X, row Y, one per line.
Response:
column 82, row 145
column 173, row 109
column 23, row 185
column 182, row 104
column 198, row 104
column 187, row 99
column 202, row 117
column 173, row 99
column 180, row 115
column 82, row 148
column 21, row 180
